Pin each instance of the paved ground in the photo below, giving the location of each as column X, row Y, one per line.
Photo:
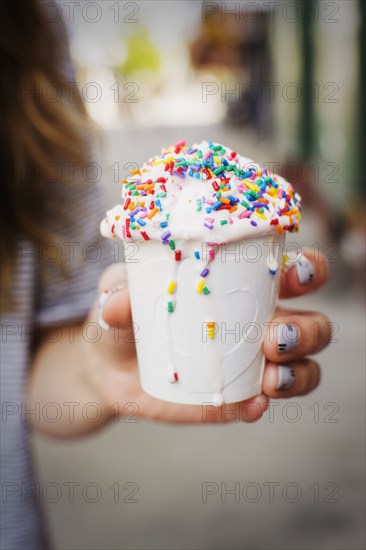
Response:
column 299, row 484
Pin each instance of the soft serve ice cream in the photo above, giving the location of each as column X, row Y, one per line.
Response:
column 205, row 192
column 182, row 209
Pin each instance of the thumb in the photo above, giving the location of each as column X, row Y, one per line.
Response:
column 114, row 307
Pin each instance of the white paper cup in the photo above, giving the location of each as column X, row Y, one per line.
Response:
column 242, row 299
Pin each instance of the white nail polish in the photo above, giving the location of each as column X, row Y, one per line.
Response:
column 305, row 271
column 102, row 301
column 286, row 378
column 287, row 337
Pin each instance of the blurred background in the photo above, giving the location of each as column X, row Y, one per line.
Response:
column 284, row 83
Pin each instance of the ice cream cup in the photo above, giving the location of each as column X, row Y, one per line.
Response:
column 207, row 229
column 200, row 340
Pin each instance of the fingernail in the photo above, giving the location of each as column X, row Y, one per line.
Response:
column 305, row 271
column 287, row 337
column 103, row 298
column 286, row 378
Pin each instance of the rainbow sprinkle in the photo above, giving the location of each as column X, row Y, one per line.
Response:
column 200, row 286
column 211, row 329
column 171, row 287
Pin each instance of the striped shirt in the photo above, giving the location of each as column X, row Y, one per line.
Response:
column 43, row 296
column 41, row 300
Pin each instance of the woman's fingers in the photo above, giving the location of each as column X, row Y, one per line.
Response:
column 113, row 300
column 308, row 273
column 297, row 378
column 293, row 335
column 112, row 310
